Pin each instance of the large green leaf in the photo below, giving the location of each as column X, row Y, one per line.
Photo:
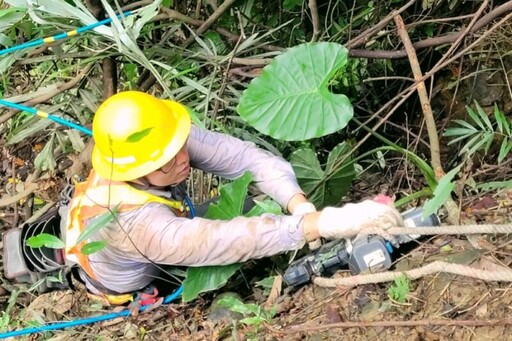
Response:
column 229, row 206
column 231, row 201
column 291, row 100
column 324, row 186
column 206, row 278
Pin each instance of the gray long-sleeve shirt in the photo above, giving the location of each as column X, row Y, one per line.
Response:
column 153, row 233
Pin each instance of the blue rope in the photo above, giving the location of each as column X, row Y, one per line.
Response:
column 63, row 35
column 43, row 114
column 88, row 320
column 190, row 206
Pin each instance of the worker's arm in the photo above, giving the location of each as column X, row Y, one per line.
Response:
column 230, row 158
column 166, row 239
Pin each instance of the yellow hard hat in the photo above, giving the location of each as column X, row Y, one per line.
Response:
column 136, row 133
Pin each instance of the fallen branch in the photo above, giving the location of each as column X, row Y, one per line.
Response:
column 393, row 324
column 435, row 155
column 19, row 196
column 365, row 36
column 171, row 14
column 108, row 64
column 45, row 97
column 401, row 97
column 209, row 22
column 429, row 42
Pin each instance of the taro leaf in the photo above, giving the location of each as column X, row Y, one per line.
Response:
column 93, row 247
column 324, row 187
column 231, row 201
column 46, row 240
column 97, row 224
column 291, row 101
column 441, row 193
column 45, row 160
column 265, row 206
column 229, row 206
column 206, row 278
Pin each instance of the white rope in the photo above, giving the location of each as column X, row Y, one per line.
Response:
column 504, row 275
column 451, row 229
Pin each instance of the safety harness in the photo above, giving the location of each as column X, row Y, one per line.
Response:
column 90, row 199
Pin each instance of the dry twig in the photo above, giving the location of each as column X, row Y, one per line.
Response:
column 392, row 324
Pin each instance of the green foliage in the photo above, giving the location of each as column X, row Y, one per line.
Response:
column 93, row 247
column 441, row 193
column 324, row 186
column 265, row 206
column 6, row 322
column 229, row 206
column 400, row 289
column 51, row 241
column 45, row 160
column 231, row 200
column 136, row 137
column 98, row 223
column 10, row 16
column 480, row 133
column 292, row 4
column 291, row 101
column 206, row 278
column 46, row 240
column 254, row 314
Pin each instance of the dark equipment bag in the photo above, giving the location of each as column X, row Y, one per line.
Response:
column 43, row 268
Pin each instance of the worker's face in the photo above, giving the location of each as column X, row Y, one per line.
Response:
column 173, row 172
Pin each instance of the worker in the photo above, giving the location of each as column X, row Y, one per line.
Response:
column 145, row 147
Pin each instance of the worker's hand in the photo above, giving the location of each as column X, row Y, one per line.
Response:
column 349, row 220
column 304, row 208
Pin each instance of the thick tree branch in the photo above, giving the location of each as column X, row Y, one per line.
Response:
column 366, row 35
column 175, row 15
column 429, row 42
column 209, row 22
column 108, row 64
column 43, row 98
column 314, row 18
column 435, row 155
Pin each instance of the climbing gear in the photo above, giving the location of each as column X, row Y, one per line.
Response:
column 63, row 35
column 43, row 114
column 88, row 320
column 43, row 268
column 136, row 134
column 97, row 196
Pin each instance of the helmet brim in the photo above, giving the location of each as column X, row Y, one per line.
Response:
column 108, row 170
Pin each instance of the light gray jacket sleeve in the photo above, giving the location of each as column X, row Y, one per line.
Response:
column 230, row 158
column 163, row 238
